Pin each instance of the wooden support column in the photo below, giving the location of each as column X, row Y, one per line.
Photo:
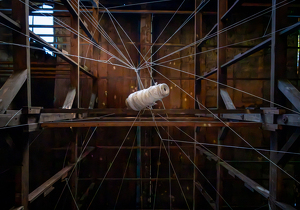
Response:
column 103, row 69
column 95, row 53
column 22, row 172
column 146, row 40
column 222, row 78
column 21, row 58
column 200, row 91
column 21, row 55
column 278, row 69
column 74, row 72
column 221, row 52
column 74, row 156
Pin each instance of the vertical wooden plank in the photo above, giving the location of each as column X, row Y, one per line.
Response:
column 146, row 40
column 10, row 89
column 74, row 76
column 222, row 78
column 74, row 178
column 95, row 54
column 21, row 55
column 199, row 92
column 22, row 173
column 278, row 69
column 221, row 52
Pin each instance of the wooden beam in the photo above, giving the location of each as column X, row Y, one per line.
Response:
column 46, row 185
column 234, row 7
column 21, row 64
column 21, row 55
column 222, row 7
column 127, row 112
column 73, row 10
column 75, row 45
column 235, row 173
column 292, row 145
column 213, row 71
column 250, row 183
column 199, row 87
column 18, row 208
column 290, row 29
column 204, row 39
column 73, row 179
column 226, row 99
column 10, row 89
column 207, row 197
column 8, row 21
column 50, row 117
column 249, row 52
column 43, row 43
column 290, row 91
column 68, row 103
column 284, row 206
column 278, row 71
column 148, row 123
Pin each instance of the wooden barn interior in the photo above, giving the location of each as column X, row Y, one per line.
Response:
column 226, row 136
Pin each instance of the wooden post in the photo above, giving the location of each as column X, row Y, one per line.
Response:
column 145, row 40
column 74, row 178
column 21, row 55
column 74, row 74
column 278, row 69
column 95, row 52
column 222, row 78
column 22, row 173
column 221, row 52
column 199, row 84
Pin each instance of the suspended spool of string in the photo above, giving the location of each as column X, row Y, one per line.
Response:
column 147, row 97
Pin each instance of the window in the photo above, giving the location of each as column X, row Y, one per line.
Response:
column 41, row 24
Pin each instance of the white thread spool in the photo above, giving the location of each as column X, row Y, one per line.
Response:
column 147, row 97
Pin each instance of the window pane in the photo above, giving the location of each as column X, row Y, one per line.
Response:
column 48, row 38
column 40, row 20
column 30, row 20
column 43, row 30
column 49, row 52
column 43, row 11
column 45, row 6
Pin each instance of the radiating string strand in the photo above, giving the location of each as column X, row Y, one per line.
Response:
column 100, row 29
column 196, row 166
column 216, row 117
column 125, row 172
column 78, row 159
column 129, row 5
column 210, row 50
column 163, row 30
column 157, row 173
column 231, row 146
column 113, row 160
column 230, row 27
column 158, row 133
column 231, row 88
column 180, row 27
column 121, row 39
column 127, row 37
column 204, row 148
column 61, row 53
column 65, row 26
